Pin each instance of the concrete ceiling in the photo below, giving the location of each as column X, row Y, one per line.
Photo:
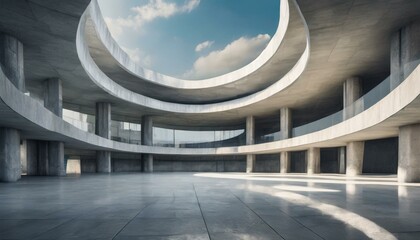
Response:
column 348, row 38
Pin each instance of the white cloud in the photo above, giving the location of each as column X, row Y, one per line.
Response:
column 139, row 57
column 235, row 55
column 200, row 47
column 146, row 13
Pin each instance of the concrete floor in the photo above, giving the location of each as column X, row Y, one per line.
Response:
column 209, row 205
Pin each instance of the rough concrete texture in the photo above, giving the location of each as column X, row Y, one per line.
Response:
column 284, row 162
column 286, row 123
column 354, row 158
column 10, row 169
column 103, row 162
column 88, row 165
column 342, row 160
column 56, row 162
column 250, row 163
column 42, row 158
column 11, row 60
column 314, row 158
column 409, row 154
column 250, row 139
column 352, row 90
column 148, row 162
column 103, row 120
column 53, row 96
column 147, row 139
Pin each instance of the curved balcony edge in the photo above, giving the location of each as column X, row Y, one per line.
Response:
column 398, row 108
column 118, row 91
column 145, row 74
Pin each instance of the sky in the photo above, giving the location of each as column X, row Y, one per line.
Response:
column 192, row 39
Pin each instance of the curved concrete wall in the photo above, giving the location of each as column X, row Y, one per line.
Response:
column 116, row 90
column 381, row 120
column 148, row 75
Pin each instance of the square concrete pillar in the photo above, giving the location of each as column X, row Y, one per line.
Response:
column 56, row 161
column 342, row 160
column 11, row 60
column 314, row 161
column 103, row 162
column 147, row 139
column 354, row 158
column 409, row 154
column 10, row 168
column 250, row 163
column 286, row 123
column 250, row 139
column 405, row 52
column 352, row 90
column 103, row 129
column 53, row 96
column 43, row 158
column 284, row 162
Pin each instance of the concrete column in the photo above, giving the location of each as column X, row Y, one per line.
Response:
column 286, row 122
column 342, row 160
column 53, row 96
column 23, row 158
column 314, row 161
column 409, row 154
column 53, row 101
column 56, row 161
column 147, row 139
column 11, row 60
column 284, row 162
column 103, row 129
column 250, row 138
column 31, row 157
column 354, row 158
column 352, row 90
column 42, row 158
column 10, row 169
column 405, row 52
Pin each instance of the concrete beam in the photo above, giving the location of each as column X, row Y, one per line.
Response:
column 354, row 158
column 53, row 96
column 284, row 162
column 314, row 161
column 409, row 154
column 10, row 169
column 147, row 139
column 11, row 60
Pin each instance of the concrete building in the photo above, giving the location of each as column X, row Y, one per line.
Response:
column 338, row 101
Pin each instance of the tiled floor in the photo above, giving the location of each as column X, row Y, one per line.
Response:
column 209, row 206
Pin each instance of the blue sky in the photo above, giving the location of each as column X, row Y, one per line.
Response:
column 192, row 39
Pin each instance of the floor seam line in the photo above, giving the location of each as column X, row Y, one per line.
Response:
column 201, row 211
column 256, row 214
column 130, row 221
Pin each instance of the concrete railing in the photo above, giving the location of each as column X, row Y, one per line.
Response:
column 398, row 108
